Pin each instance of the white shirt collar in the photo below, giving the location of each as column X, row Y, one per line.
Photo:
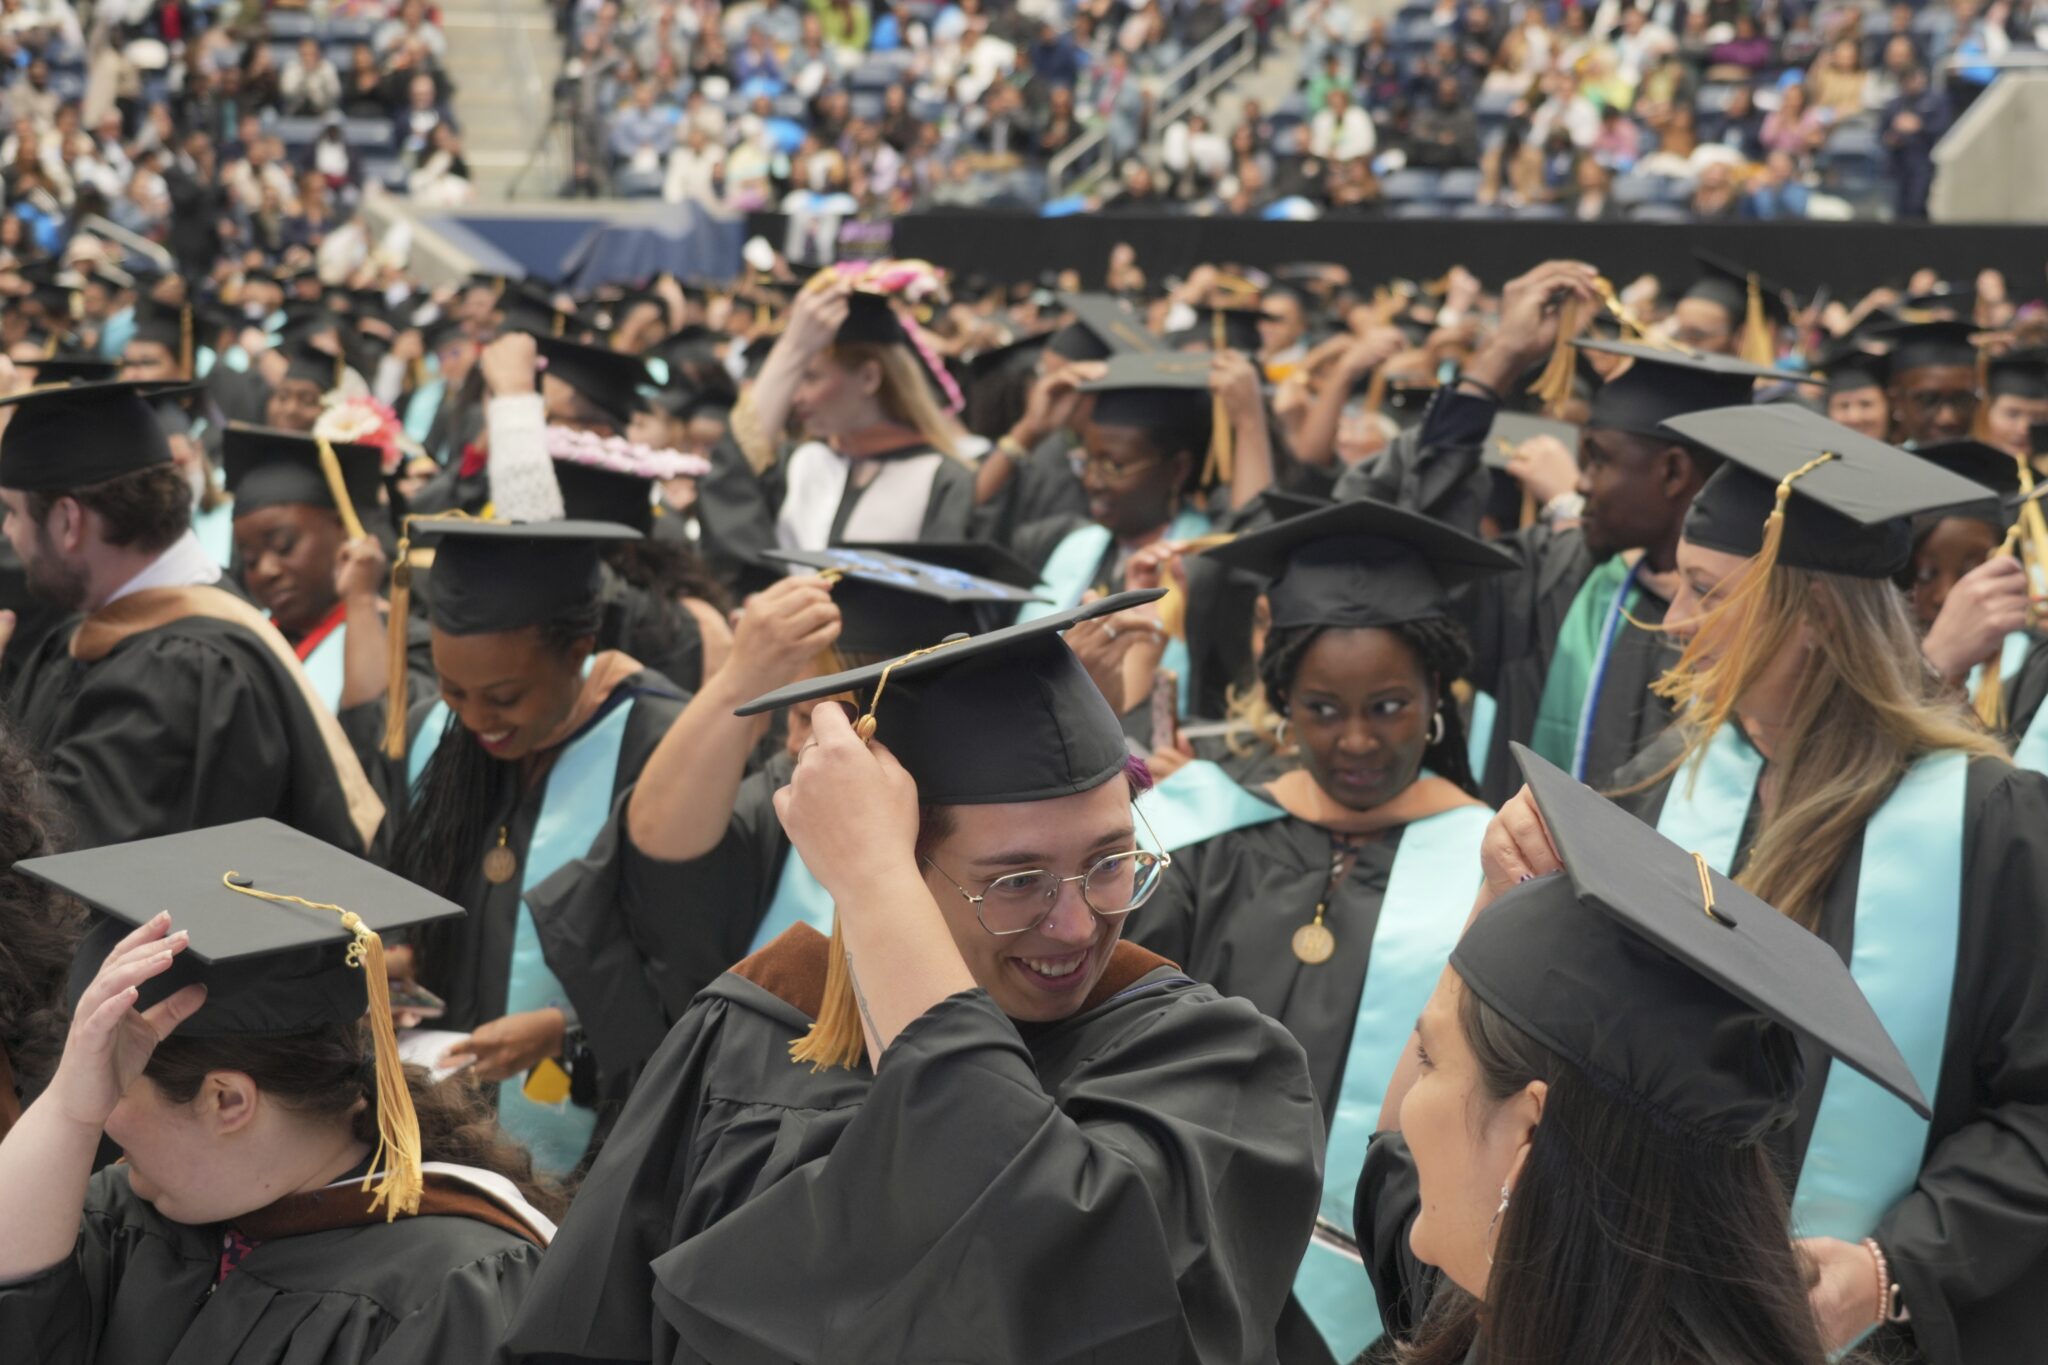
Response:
column 184, row 565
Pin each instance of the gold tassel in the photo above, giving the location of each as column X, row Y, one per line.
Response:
column 1989, row 703
column 1217, row 465
column 185, row 340
column 1757, row 346
column 403, row 1182
column 1554, row 385
column 337, row 488
column 395, row 668
column 1980, row 422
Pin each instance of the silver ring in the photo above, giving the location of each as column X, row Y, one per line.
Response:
column 1108, row 630
column 807, row 746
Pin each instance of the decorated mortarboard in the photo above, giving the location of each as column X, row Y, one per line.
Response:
column 286, row 935
column 1511, row 429
column 1666, row 383
column 72, row 368
column 871, row 320
column 1847, row 364
column 495, row 576
column 1665, row 981
column 890, row 604
column 69, row 436
column 1821, row 496
column 612, row 479
column 1929, row 345
column 610, row 380
column 1360, row 563
column 981, row 558
column 266, row 467
column 2018, row 374
column 1100, row 326
column 988, row 719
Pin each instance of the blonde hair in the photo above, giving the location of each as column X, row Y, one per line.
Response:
column 905, row 393
column 1866, row 707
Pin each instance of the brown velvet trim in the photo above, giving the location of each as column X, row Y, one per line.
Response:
column 10, row 1103
column 792, row 969
column 348, row 1206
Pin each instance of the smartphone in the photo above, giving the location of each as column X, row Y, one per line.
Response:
column 417, row 999
column 1165, row 708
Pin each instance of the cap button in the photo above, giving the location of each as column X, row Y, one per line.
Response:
column 240, row 879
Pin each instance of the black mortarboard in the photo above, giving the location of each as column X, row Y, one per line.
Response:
column 77, row 435
column 266, row 467
column 981, row 558
column 1024, row 354
column 892, row 604
column 267, row 968
column 67, row 368
column 493, row 576
column 1849, row 514
column 166, row 324
column 1156, row 389
column 990, row 719
column 1958, row 300
column 1101, row 327
column 527, row 307
column 2037, row 438
column 624, row 496
column 1619, row 966
column 2017, row 374
column 1847, row 366
column 1360, row 563
column 305, row 362
column 1662, row 384
column 871, row 320
column 1233, row 329
column 608, row 379
column 1510, row 429
column 1926, row 345
column 1728, row 284
column 1982, row 464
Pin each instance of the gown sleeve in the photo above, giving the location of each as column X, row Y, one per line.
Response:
column 735, row 513
column 1436, row 471
column 1153, row 1209
column 468, row 1316
column 1389, row 1197
column 1976, row 1222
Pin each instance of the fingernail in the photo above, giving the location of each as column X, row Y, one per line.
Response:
column 1527, row 877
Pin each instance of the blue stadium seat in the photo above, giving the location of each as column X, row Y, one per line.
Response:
column 1714, row 99
column 1660, row 213
column 283, row 25
column 1458, row 185
column 350, row 30
column 300, row 132
column 866, row 105
column 367, row 134
column 1541, row 213
column 635, row 184
column 1481, row 212
column 1636, row 189
column 1418, row 209
column 1407, row 185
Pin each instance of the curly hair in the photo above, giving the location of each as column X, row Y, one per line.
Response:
column 1441, row 649
column 39, row 928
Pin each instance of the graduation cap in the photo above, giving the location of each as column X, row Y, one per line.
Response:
column 981, row 558
column 1023, row 353
column 871, row 321
column 266, row 467
column 76, row 435
column 73, row 368
column 304, row 361
column 169, row 325
column 610, row 380
column 1664, row 980
column 1154, row 389
column 1100, row 328
column 1847, row 364
column 527, row 307
column 1958, row 300
column 441, row 331
column 1751, row 301
column 1984, row 465
column 1929, row 345
column 1511, row 429
column 286, row 934
column 1662, row 384
column 53, row 288
column 2018, row 374
column 1830, row 499
column 1360, row 563
column 495, row 576
column 1231, row 329
column 892, row 604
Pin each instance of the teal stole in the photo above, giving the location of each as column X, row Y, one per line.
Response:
column 1479, row 731
column 1571, row 689
column 1197, row 802
column 799, row 899
column 2031, row 749
column 423, row 407
column 1429, row 894
column 1867, row 1146
column 216, row 532
column 575, row 805
column 1070, row 572
column 325, row 666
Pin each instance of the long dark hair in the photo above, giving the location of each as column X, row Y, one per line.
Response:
column 39, row 928
column 440, row 843
column 331, row 1072
column 1625, row 1240
column 1441, row 649
column 668, row 570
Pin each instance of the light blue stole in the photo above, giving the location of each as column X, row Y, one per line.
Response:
column 1070, row 572
column 423, row 407
column 216, row 532
column 325, row 666
column 1199, row 801
column 1479, row 735
column 1867, row 1147
column 799, row 899
column 2031, row 751
column 1429, row 893
column 574, row 807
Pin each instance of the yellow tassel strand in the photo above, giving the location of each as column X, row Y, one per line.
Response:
column 399, row 1188
column 337, row 488
column 1222, row 454
column 1757, row 346
column 1989, row 703
column 1554, row 385
column 395, row 691
column 185, row 353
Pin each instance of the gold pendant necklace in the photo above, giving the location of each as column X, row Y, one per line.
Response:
column 501, row 864
column 1313, row 943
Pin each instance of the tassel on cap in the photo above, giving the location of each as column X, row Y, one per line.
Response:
column 1758, row 348
column 402, row 1182
column 1222, row 456
column 337, row 488
column 1554, row 385
column 395, row 668
column 185, row 353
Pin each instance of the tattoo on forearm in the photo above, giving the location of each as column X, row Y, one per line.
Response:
column 860, row 998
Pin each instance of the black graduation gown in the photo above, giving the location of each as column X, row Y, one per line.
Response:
column 192, row 724
column 1135, row 1183
column 1970, row 1244
column 2026, row 690
column 33, row 617
column 140, row 1290
column 470, row 965
column 1227, row 910
column 1514, row 617
column 1043, row 485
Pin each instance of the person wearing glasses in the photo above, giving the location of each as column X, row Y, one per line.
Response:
column 974, row 1124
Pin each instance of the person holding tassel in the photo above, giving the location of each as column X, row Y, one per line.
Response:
column 973, row 1124
column 289, row 1191
column 506, row 776
column 1815, row 759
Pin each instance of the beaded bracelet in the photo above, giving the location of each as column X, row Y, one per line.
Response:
column 1890, row 1307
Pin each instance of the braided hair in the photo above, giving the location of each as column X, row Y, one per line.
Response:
column 1441, row 649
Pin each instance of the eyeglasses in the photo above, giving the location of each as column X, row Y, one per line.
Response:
column 1114, row 472
column 1019, row 902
